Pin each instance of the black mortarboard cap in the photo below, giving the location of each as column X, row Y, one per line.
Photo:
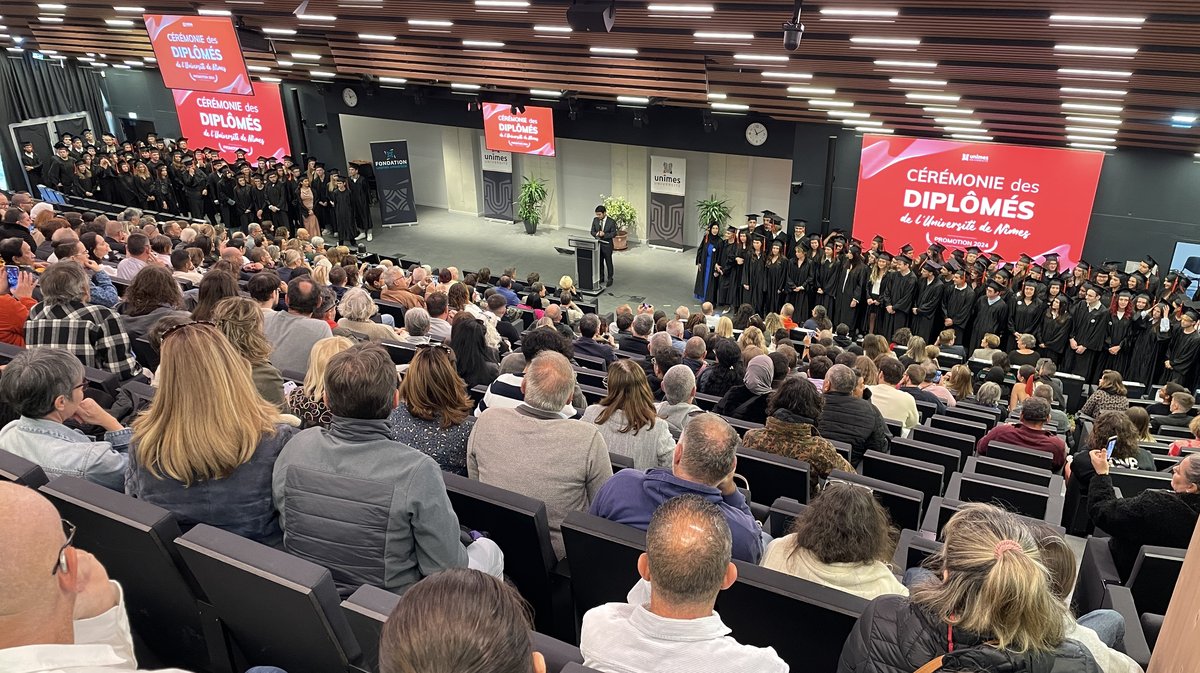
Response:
column 1112, row 265
column 1138, row 276
column 288, row 157
column 260, row 159
column 937, row 248
column 188, row 161
column 973, row 249
column 877, row 239
column 61, row 146
column 80, row 162
column 1125, row 293
column 1029, row 282
column 903, row 259
column 1083, row 265
column 997, row 257
column 799, row 220
column 813, row 237
column 776, row 242
column 1150, row 261
column 1036, row 268
column 982, row 257
column 993, row 285
column 753, row 217
column 1192, row 310
column 1056, row 281
column 958, row 254
column 884, row 254
column 954, row 265
column 239, row 151
column 906, row 248
column 856, row 242
column 729, row 228
column 1050, row 257
column 931, row 266
column 1025, row 259
column 182, row 140
column 319, row 165
column 1005, row 274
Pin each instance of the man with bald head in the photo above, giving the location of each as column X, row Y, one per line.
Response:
column 687, row 563
column 59, row 611
column 555, row 313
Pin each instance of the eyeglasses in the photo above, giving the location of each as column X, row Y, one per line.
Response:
column 832, row 480
column 175, row 328
column 444, row 347
column 61, row 556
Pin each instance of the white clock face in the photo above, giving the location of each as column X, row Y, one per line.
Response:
column 756, row 134
column 349, row 97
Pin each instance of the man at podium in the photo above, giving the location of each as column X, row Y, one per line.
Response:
column 604, row 229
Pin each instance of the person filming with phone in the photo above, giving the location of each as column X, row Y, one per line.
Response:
column 16, row 298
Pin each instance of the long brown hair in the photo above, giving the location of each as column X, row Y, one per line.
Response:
column 628, row 391
column 844, row 524
column 1111, row 381
column 241, row 321
column 215, row 286
column 153, row 287
column 432, row 388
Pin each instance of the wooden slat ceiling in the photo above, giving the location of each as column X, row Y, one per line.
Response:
column 998, row 56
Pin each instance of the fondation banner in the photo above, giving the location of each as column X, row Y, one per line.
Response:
column 1007, row 199
column 668, row 184
column 393, row 182
column 497, row 184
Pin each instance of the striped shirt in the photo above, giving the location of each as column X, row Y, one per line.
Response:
column 505, row 393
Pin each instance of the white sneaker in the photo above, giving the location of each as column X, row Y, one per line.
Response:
column 360, row 236
column 370, row 236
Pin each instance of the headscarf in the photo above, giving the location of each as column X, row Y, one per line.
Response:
column 759, row 373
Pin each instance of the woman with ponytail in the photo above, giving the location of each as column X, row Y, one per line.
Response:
column 989, row 608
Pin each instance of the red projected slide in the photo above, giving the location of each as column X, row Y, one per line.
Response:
column 228, row 123
column 1003, row 198
column 528, row 132
column 198, row 53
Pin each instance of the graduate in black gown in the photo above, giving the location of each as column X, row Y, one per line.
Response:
column 728, row 268
column 1052, row 331
column 740, row 268
column 1120, row 335
column 901, row 296
column 1026, row 312
column 858, row 281
column 824, row 277
column 799, row 275
column 991, row 315
column 344, row 223
column 752, row 272
column 1143, row 339
column 708, row 255
column 243, row 204
column 774, row 279
column 1184, row 350
column 847, row 287
column 874, row 287
column 929, row 302
column 1089, row 329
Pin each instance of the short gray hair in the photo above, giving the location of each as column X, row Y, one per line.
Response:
column 416, row 321
column 356, row 304
column 679, row 384
column 675, row 328
column 1028, row 340
column 988, row 394
column 689, row 546
column 643, row 325
column 36, row 377
column 1035, row 410
column 840, row 379
column 695, row 348
column 131, row 214
column 391, row 274
column 710, row 447
column 549, row 381
column 660, row 340
column 63, row 283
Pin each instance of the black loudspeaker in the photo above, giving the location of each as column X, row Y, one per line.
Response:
column 594, row 16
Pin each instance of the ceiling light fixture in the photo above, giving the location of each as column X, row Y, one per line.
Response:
column 680, row 9
column 285, row 64
column 270, row 80
column 786, row 75
column 1106, row 121
column 214, row 12
column 633, row 100
column 865, row 129
column 85, row 59
column 258, row 68
column 768, row 58
column 552, row 29
column 948, row 110
column 964, row 129
column 969, row 136
column 918, row 82
column 51, row 6
column 952, row 120
column 812, row 90
column 130, row 62
column 488, row 44
column 1088, row 129
column 305, row 56
column 50, row 19
column 1088, row 107
column 1093, row 146
column 847, row 114
column 322, row 73
column 122, row 66
column 505, row 4
column 614, row 51
column 465, row 87
column 1083, row 18
column 279, row 31
column 867, row 122
column 1184, row 118
column 717, row 96
column 946, row 98
column 131, row 9
column 1086, row 72
column 1092, row 92
column 888, row 63
column 118, row 23
column 867, row 13
column 430, row 23
column 887, row 41
column 316, row 17
column 707, row 35
column 1094, row 49
column 730, row 107
column 547, row 93
column 392, row 80
column 825, row 102
column 375, row 37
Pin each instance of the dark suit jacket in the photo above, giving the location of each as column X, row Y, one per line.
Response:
column 636, row 345
column 595, row 349
column 608, row 225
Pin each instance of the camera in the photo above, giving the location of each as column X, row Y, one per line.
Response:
column 793, row 31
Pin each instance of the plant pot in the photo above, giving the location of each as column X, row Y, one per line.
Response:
column 530, row 227
column 621, row 241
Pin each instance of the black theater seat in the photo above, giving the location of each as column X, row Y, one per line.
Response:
column 1037, row 502
column 903, row 504
column 771, row 476
column 1015, row 471
column 927, row 478
column 912, row 549
column 18, row 470
column 1020, row 454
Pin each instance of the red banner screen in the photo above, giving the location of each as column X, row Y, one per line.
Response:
column 528, row 132
column 198, row 53
column 253, row 123
column 1008, row 199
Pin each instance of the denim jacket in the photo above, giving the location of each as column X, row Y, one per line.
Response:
column 63, row 451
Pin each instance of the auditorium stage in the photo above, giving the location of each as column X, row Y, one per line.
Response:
column 662, row 278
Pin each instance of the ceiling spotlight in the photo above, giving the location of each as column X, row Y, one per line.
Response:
column 887, row 41
column 888, row 63
column 1093, row 146
column 863, row 13
column 730, row 107
column 118, row 23
column 680, row 9
column 1092, row 49
column 545, row 93
column 633, row 100
column 1082, row 18
column 945, row 98
column 773, row 74
column 1184, row 118
column 1105, row 121
column 1088, row 107
column 613, row 51
column 279, row 31
column 214, row 12
column 487, row 44
column 375, row 37
column 430, row 23
column 316, row 17
column 1087, row 72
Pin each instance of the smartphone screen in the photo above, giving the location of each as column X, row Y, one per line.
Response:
column 1112, row 444
column 13, row 276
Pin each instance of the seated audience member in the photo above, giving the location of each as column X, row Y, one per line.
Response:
column 416, row 327
column 587, row 343
column 959, row 382
column 993, row 611
column 307, row 401
column 241, row 321
column 1110, row 395
column 679, row 391
column 1058, row 417
column 637, row 342
column 1141, row 422
column 65, row 320
column 137, row 256
column 459, row 621
column 717, row 379
column 999, row 369
column 627, row 418
column 437, row 304
column 846, row 417
column 987, row 347
column 1179, row 445
column 1181, row 407
column 914, row 377
column 1023, row 388
column 152, row 294
column 693, row 354
column 1028, row 433
column 1025, row 353
column 15, row 303
column 893, row 403
column 1126, row 454
column 533, row 450
column 293, row 332
column 988, row 396
column 396, row 289
column 841, row 540
column 932, row 385
column 817, row 368
column 748, row 400
column 45, row 386
column 1046, row 370
column 555, row 313
column 505, row 289
column 793, row 410
column 70, row 618
column 224, row 480
column 218, row 284
column 946, row 343
column 1162, row 399
column 182, row 267
column 356, row 464
column 100, row 288
column 1158, row 517
column 434, row 413
column 476, row 363
column 356, row 309
column 504, row 327
column 507, row 389
column 687, row 563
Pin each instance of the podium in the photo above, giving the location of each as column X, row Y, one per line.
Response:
column 587, row 265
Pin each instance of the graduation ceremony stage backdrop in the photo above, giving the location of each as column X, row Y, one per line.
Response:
column 393, row 182
column 668, row 185
column 1007, row 199
column 228, row 123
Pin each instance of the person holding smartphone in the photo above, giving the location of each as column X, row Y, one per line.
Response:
column 1115, row 435
column 16, row 298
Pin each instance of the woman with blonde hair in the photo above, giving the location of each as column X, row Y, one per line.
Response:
column 752, row 336
column 307, row 401
column 874, row 345
column 320, row 272
column 724, row 327
column 434, row 414
column 628, row 420
column 990, row 607
column 241, row 321
column 866, row 368
column 772, row 324
column 916, row 353
column 221, row 477
column 959, row 382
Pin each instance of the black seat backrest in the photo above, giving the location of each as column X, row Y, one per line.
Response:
column 949, row 459
column 925, row 410
column 975, row 429
column 21, row 471
column 278, row 609
column 591, row 362
column 1032, row 501
column 740, row 425
column 927, row 478
column 134, row 540
column 895, row 428
column 1020, row 454
column 1133, row 482
column 619, row 462
column 1175, row 431
column 1003, row 468
column 941, row 509
column 994, row 412
column 145, row 353
column 1072, row 389
column 393, row 309
column 603, row 558
column 590, row 377
column 518, row 524
column 961, row 412
column 964, row 443
column 800, row 619
column 771, row 476
column 783, row 513
column 902, row 503
column 706, row 402
column 8, row 352
column 401, row 354
column 912, row 549
column 592, row 394
column 1153, row 578
column 557, row 653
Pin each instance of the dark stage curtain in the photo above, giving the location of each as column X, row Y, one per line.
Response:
column 32, row 88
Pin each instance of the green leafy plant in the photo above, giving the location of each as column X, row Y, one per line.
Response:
column 713, row 211
column 622, row 212
column 530, row 200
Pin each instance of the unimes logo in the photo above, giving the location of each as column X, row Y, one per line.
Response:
column 668, row 168
column 978, row 158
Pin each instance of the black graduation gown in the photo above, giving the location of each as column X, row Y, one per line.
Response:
column 1183, row 353
column 929, row 303
column 799, row 276
column 244, row 210
column 707, row 258
column 212, row 201
column 33, row 170
column 858, row 290
column 991, row 318
column 126, row 190
column 164, row 196
column 1118, row 335
column 1024, row 318
column 901, row 296
column 1144, row 351
column 360, row 203
column 343, row 216
column 752, row 276
column 1052, row 337
column 774, row 277
column 875, row 309
column 194, row 185
column 1089, row 329
column 276, row 196
column 59, row 172
column 825, row 281
column 141, row 189
column 959, row 306
column 727, row 282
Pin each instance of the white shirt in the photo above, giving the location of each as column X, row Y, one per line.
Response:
column 103, row 644
column 625, row 638
column 895, row 405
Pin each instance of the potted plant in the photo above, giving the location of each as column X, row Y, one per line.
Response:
column 713, row 211
column 625, row 215
column 529, row 203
